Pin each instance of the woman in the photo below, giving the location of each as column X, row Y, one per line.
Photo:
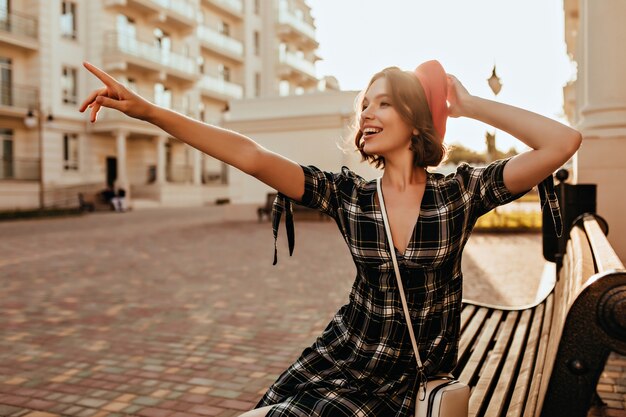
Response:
column 363, row 363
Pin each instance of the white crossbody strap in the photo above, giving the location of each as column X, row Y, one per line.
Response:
column 397, row 270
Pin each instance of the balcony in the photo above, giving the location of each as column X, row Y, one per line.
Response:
column 220, row 89
column 220, row 43
column 26, row 169
column 122, row 51
column 19, row 30
column 16, row 100
column 294, row 65
column 291, row 27
column 233, row 8
column 177, row 14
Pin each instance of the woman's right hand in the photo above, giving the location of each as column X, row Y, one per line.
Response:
column 116, row 96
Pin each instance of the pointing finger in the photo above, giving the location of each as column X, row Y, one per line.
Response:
column 103, row 76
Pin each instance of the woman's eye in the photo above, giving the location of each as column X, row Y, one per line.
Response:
column 384, row 103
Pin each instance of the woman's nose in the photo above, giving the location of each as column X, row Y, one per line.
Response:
column 365, row 115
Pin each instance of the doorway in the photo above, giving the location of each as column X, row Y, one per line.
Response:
column 111, row 170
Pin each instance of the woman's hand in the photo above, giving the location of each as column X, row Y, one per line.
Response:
column 458, row 98
column 115, row 96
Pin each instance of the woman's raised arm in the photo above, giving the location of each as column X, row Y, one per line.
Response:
column 228, row 146
column 552, row 142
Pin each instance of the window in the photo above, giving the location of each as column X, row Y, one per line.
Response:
column 162, row 40
column 4, row 14
column 200, row 61
column 68, row 83
column 162, row 96
column 6, row 154
column 224, row 28
column 6, row 90
column 70, row 152
column 126, row 26
column 283, row 88
column 257, row 84
column 68, row 19
column 224, row 72
column 257, row 43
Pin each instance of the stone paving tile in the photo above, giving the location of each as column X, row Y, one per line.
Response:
column 171, row 313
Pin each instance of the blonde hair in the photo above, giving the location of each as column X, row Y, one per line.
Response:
column 409, row 100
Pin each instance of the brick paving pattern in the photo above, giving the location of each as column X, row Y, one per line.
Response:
column 170, row 313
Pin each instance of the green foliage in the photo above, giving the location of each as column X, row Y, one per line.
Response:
column 459, row 153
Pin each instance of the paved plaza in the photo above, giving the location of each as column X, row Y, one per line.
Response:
column 179, row 312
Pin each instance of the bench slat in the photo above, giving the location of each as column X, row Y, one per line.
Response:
column 506, row 378
column 493, row 363
column 466, row 313
column 606, row 258
column 524, row 379
column 538, row 370
column 474, row 363
column 471, row 329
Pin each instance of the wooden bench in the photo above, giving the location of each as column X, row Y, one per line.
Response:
column 545, row 359
column 302, row 210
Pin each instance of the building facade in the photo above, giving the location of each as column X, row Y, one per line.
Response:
column 595, row 104
column 193, row 56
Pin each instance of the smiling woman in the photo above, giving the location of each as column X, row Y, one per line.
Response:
column 364, row 363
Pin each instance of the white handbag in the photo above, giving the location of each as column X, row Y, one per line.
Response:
column 440, row 395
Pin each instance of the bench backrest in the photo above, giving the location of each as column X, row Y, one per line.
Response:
column 586, row 324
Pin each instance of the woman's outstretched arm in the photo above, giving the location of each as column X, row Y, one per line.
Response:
column 552, row 142
column 228, row 146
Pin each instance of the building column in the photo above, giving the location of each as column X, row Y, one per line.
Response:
column 122, row 173
column 160, row 163
column 196, row 156
column 601, row 110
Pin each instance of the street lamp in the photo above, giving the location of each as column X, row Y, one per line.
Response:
column 490, row 138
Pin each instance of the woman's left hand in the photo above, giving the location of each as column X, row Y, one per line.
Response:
column 458, row 97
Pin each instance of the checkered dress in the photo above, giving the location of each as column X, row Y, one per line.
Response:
column 363, row 362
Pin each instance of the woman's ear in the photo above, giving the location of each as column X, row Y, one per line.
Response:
column 416, row 132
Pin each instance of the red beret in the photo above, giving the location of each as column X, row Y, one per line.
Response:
column 434, row 81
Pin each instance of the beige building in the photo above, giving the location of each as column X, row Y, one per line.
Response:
column 596, row 105
column 194, row 56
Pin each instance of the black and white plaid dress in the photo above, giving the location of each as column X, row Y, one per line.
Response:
column 363, row 363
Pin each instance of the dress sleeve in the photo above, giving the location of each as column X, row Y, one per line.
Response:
column 487, row 190
column 323, row 191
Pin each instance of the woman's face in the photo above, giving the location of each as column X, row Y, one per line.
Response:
column 384, row 130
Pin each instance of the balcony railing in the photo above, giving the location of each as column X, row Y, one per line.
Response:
column 234, row 5
column 221, row 87
column 19, row 169
column 19, row 96
column 117, row 42
column 19, row 24
column 285, row 17
column 181, row 7
column 220, row 40
column 299, row 63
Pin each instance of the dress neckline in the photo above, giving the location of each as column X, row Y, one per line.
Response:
column 417, row 222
